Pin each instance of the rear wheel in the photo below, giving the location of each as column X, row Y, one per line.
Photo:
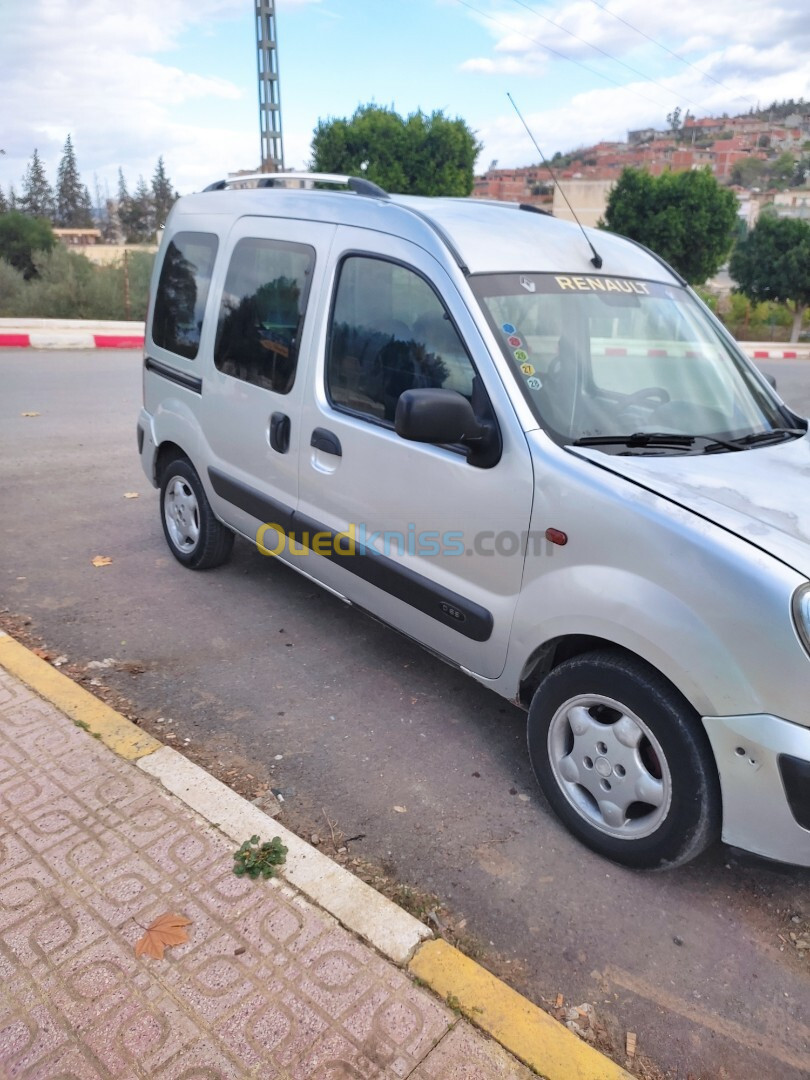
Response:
column 195, row 536
column 624, row 761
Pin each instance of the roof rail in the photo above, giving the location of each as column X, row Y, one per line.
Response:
column 357, row 184
column 534, row 209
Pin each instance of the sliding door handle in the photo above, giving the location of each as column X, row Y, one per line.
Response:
column 280, row 432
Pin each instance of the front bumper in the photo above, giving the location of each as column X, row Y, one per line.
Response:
column 147, row 446
column 758, row 815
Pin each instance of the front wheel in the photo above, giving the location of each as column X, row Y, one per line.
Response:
column 195, row 536
column 623, row 759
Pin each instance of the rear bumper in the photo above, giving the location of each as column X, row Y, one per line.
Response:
column 763, row 762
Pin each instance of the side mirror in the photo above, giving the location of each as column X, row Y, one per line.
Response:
column 770, row 379
column 444, row 416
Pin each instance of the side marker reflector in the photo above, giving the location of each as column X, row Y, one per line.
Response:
column 557, row 536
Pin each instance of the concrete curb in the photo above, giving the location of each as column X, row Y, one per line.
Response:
column 523, row 1029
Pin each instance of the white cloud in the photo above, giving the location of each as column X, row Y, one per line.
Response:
column 97, row 70
column 690, row 28
column 758, row 54
column 510, row 65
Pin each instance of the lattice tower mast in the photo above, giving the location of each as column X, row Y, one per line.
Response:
column 269, row 97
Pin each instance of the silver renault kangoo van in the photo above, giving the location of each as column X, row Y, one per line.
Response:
column 527, row 446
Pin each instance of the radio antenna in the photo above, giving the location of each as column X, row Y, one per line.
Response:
column 597, row 258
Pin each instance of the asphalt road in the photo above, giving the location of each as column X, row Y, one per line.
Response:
column 276, row 682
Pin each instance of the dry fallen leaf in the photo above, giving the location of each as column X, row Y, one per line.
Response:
column 166, row 930
column 29, row 414
column 43, row 654
column 131, row 494
column 102, row 560
column 631, row 1044
column 400, row 810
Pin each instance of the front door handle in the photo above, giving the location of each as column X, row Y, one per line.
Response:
column 280, row 432
column 326, row 441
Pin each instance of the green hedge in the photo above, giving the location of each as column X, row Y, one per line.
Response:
column 68, row 285
column 749, row 321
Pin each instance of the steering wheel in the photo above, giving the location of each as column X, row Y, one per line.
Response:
column 648, row 395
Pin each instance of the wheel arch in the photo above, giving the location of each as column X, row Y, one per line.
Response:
column 556, row 651
column 166, row 452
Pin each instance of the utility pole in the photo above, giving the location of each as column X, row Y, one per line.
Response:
column 269, row 98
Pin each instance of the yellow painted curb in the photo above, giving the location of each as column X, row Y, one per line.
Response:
column 533, row 1036
column 113, row 729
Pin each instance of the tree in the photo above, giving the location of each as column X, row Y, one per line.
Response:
column 163, row 197
column 86, row 206
column 143, row 213
column 674, row 120
column 3, row 202
column 135, row 212
column 747, row 171
column 686, row 217
column 802, row 172
column 73, row 207
column 37, row 195
column 21, row 236
column 773, row 263
column 110, row 224
column 782, row 169
column 416, row 155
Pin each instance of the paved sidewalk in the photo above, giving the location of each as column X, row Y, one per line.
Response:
column 92, row 850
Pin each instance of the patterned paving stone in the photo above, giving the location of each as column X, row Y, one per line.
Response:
column 464, row 1055
column 91, row 851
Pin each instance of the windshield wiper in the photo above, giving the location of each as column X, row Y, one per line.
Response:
column 655, row 438
column 774, row 435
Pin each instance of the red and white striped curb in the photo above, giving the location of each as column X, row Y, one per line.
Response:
column 90, row 334
column 70, row 334
column 764, row 352
column 73, row 341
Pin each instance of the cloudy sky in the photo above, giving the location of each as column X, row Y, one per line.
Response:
column 177, row 78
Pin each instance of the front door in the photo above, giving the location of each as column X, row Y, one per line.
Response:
column 444, row 539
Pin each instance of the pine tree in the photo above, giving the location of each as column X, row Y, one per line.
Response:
column 13, row 201
column 86, row 207
column 125, row 209
column 72, row 208
column 144, row 220
column 136, row 212
column 37, row 196
column 162, row 194
column 3, row 202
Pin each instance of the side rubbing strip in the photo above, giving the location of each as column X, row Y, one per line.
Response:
column 464, row 616
column 449, row 608
column 251, row 501
column 190, row 382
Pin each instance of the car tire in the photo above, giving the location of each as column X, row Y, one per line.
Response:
column 195, row 536
column 624, row 761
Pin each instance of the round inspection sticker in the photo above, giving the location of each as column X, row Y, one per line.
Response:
column 521, row 355
column 508, row 328
column 533, row 383
column 515, row 342
column 527, row 369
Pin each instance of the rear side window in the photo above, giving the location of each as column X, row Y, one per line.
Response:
column 262, row 311
column 182, row 292
column 390, row 333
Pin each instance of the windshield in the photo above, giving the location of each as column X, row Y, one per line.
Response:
column 600, row 357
